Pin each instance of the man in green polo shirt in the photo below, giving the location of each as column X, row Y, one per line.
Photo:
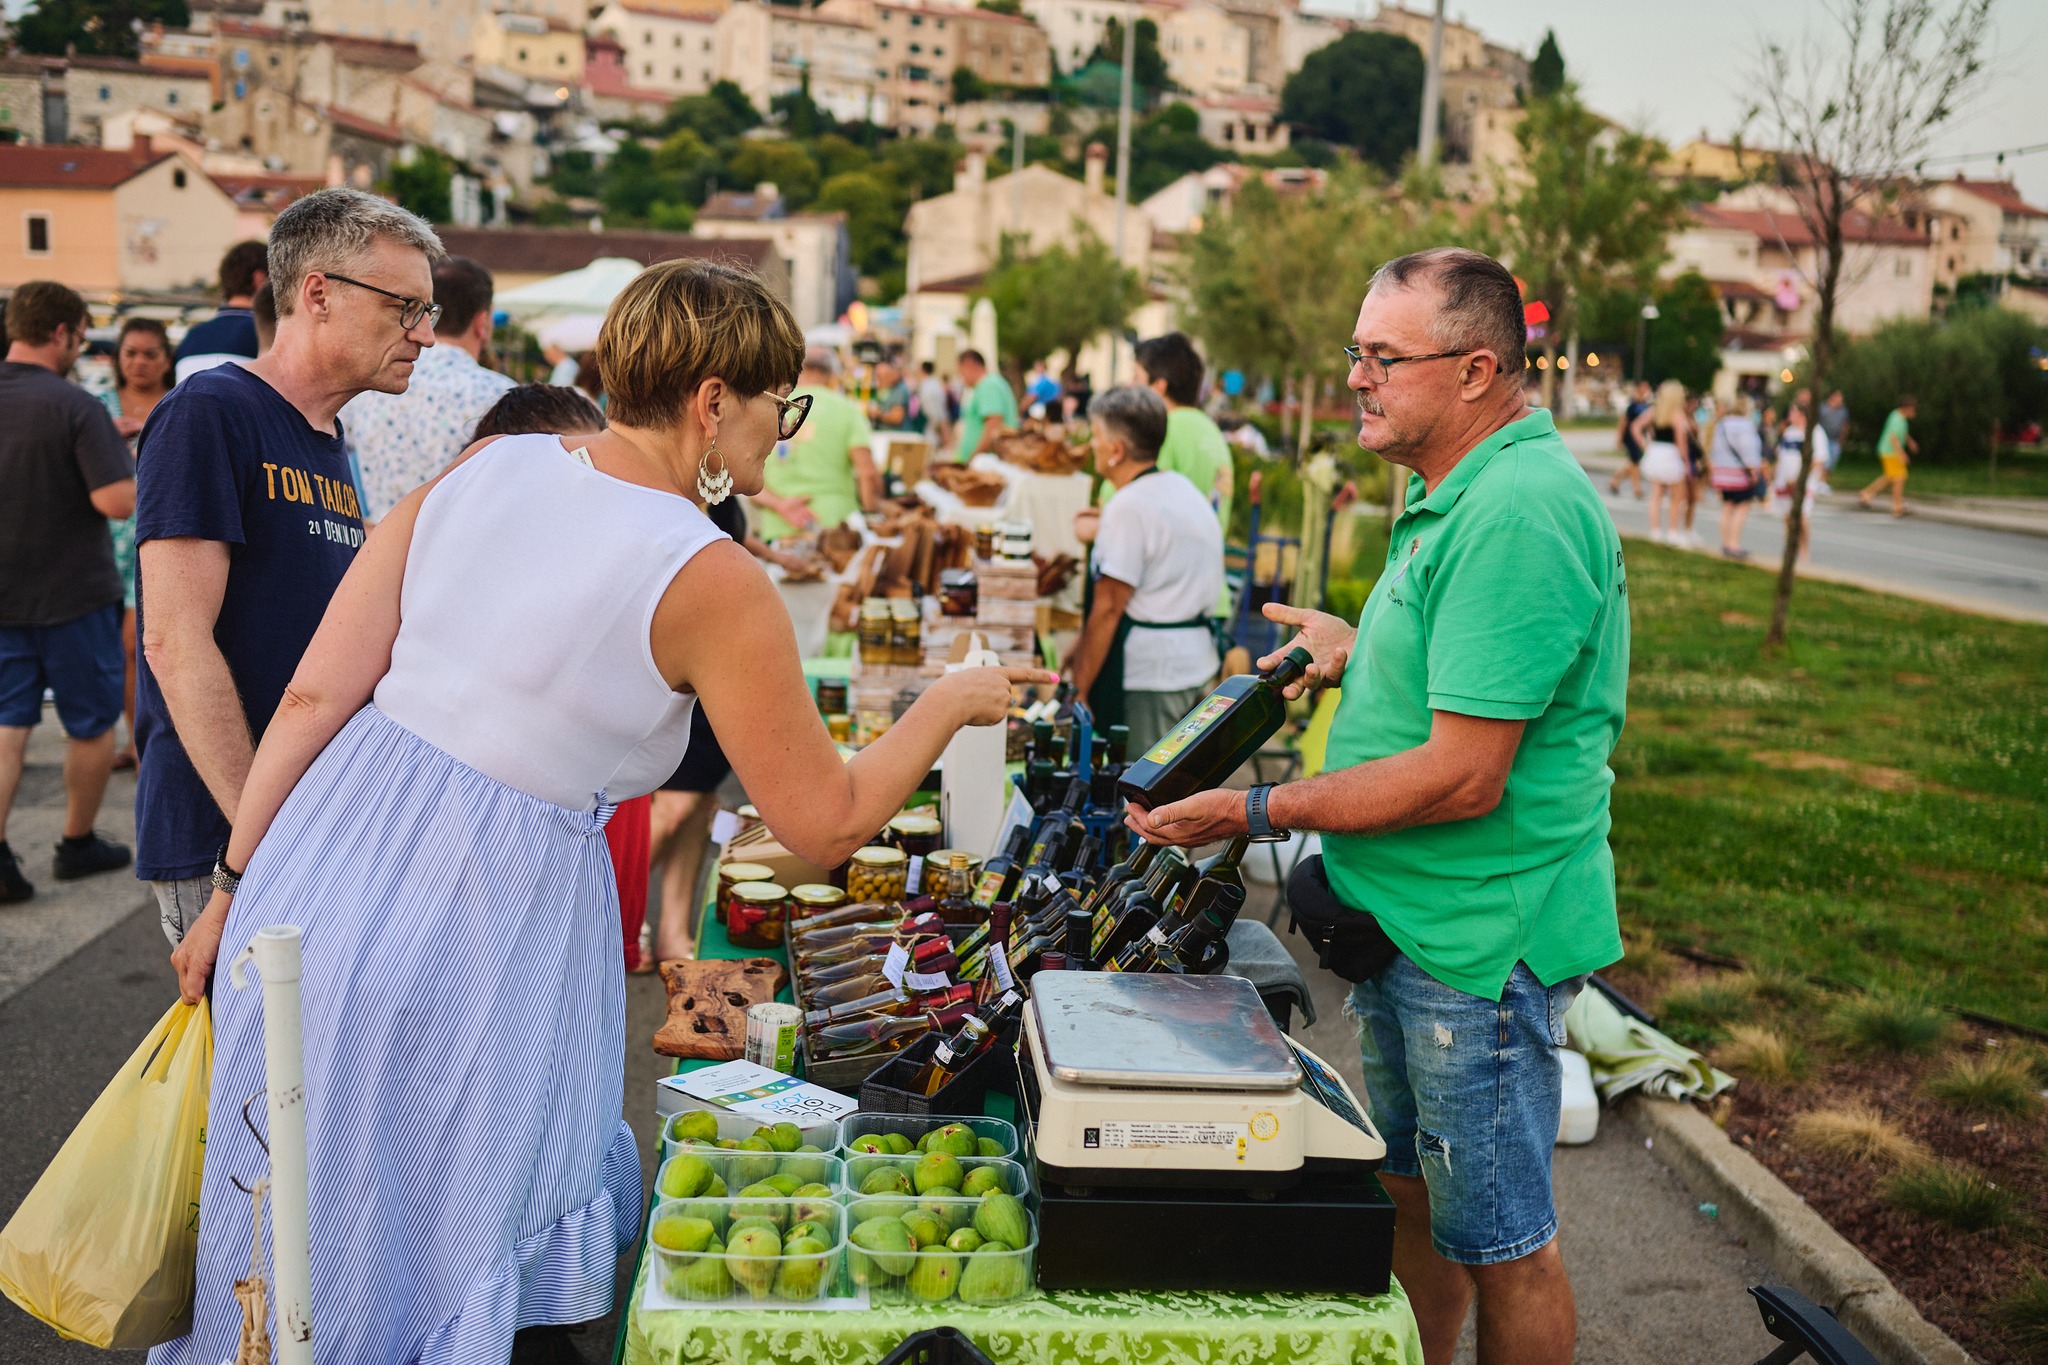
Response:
column 987, row 398
column 1465, row 799
column 821, row 476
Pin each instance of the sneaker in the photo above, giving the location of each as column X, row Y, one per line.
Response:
column 85, row 856
column 13, row 886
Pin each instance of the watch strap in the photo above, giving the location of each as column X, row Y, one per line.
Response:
column 225, row 878
column 1257, row 824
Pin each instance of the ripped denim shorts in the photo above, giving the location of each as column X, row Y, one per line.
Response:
column 1467, row 1094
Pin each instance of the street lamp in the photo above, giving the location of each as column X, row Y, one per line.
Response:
column 1649, row 315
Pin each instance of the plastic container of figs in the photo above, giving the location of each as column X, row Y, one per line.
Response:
column 935, row 1250
column 869, row 1175
column 750, row 1267
column 731, row 1173
column 854, row 1127
column 824, row 1136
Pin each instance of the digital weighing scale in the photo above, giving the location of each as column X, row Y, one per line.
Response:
column 1158, row 1080
column 1182, row 1142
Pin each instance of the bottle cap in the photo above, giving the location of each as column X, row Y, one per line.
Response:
column 1052, row 962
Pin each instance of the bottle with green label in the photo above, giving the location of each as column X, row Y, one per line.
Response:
column 1211, row 741
column 999, row 874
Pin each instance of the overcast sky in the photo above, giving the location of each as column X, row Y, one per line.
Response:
column 1678, row 66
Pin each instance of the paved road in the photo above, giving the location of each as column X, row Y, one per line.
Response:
column 2000, row 572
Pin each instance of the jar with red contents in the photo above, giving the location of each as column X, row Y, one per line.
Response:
column 756, row 915
column 736, row 872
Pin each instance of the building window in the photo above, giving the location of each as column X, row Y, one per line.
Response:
column 1903, row 267
column 678, row 40
column 648, row 71
column 105, row 94
column 171, row 98
column 679, row 74
column 561, row 59
column 38, row 229
column 178, row 178
column 522, row 54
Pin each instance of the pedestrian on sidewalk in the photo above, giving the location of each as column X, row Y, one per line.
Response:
column 247, row 519
column 142, row 376
column 1663, row 430
column 1893, row 446
column 64, row 474
column 401, row 440
column 229, row 334
column 1791, row 461
column 1625, row 436
column 1834, row 420
column 1735, row 461
column 1465, row 801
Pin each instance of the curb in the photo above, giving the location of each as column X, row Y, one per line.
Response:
column 1779, row 1227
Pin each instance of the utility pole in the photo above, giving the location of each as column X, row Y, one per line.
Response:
column 1123, row 157
column 1432, row 88
column 1016, row 167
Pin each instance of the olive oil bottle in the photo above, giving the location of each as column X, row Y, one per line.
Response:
column 1211, row 741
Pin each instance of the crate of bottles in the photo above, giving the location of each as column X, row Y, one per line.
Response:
column 905, row 1250
column 890, row 1089
column 743, row 1253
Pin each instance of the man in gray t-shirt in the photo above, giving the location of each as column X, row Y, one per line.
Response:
column 1834, row 421
column 64, row 471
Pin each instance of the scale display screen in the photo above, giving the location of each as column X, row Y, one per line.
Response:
column 1323, row 1086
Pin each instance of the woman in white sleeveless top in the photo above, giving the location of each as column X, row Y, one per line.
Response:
column 517, row 647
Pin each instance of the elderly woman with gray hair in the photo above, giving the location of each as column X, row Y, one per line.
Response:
column 1145, row 654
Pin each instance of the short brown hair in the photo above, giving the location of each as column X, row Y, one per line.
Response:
column 463, row 289
column 1482, row 305
column 682, row 322
column 539, row 409
column 39, row 308
column 240, row 266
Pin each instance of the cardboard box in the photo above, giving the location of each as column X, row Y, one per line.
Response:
column 1000, row 612
column 759, row 846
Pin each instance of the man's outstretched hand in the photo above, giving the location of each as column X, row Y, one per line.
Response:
column 1324, row 636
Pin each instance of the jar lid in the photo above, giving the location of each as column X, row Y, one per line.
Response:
column 903, row 607
column 744, row 872
column 758, row 891
column 941, row 859
column 913, row 823
column 816, row 893
column 877, row 855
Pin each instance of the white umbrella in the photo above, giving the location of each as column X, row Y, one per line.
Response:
column 589, row 290
column 573, row 332
column 981, row 329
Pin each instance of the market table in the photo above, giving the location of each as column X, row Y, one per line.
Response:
column 1097, row 1327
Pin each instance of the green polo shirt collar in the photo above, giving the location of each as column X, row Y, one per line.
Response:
column 1532, row 426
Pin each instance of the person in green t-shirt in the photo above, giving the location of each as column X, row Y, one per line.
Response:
column 987, row 396
column 827, row 471
column 1464, row 807
column 1893, row 444
column 1171, row 367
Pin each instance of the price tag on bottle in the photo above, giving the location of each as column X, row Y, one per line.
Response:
column 999, row 966
column 914, row 879
column 894, row 964
column 922, row 982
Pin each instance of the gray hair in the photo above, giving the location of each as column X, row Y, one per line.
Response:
column 330, row 229
column 1482, row 304
column 1136, row 415
column 823, row 359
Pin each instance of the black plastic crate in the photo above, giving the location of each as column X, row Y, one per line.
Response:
column 937, row 1346
column 884, row 1091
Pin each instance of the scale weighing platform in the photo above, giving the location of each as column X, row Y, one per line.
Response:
column 1183, row 1142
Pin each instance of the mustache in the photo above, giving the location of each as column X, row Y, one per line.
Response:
column 1368, row 404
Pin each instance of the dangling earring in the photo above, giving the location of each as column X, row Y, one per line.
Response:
column 713, row 488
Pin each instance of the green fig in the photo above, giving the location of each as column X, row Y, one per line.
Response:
column 694, row 1125
column 993, row 1245
column 818, row 1229
column 886, row 1180
column 801, row 1275
column 869, row 1144
column 992, row 1279
column 924, row 1142
column 955, row 1138
column 947, row 1210
column 928, row 1231
column 788, row 1184
column 897, row 1144
column 937, row 1171
column 935, row 1276
column 750, row 1258
column 982, row 1179
column 807, row 1169
column 989, row 1147
column 815, row 1204
column 716, row 1189
column 1001, row 1218
column 964, row 1239
column 763, row 1201
column 752, row 1168
column 727, row 1144
column 740, row 1225
column 783, row 1137
column 684, row 1177
column 674, row 1232
column 704, row 1280
column 882, row 1245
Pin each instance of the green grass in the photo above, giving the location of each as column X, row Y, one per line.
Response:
column 1869, row 807
column 2024, row 1315
column 1954, row 1195
column 2022, row 473
column 1999, row 1085
column 1894, row 1024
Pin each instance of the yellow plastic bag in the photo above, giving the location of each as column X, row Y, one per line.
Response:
column 104, row 1247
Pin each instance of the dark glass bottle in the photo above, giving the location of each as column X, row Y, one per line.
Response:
column 1079, row 941
column 1143, row 902
column 1201, row 946
column 1061, row 821
column 1212, row 740
column 956, row 904
column 877, row 1034
column 949, row 1058
column 999, row 874
column 1098, row 901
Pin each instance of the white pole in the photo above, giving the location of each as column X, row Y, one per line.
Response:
column 1016, row 173
column 1123, row 160
column 276, row 951
column 1432, row 88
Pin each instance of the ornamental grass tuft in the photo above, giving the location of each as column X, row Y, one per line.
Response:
column 1890, row 1023
column 1997, row 1084
column 1704, row 1011
column 2024, row 1316
column 1955, row 1195
column 1765, row 1055
column 1858, row 1133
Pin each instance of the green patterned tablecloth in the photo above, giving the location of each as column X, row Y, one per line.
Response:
column 1095, row 1328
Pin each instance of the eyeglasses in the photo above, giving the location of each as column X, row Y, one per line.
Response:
column 1377, row 367
column 413, row 312
column 793, row 413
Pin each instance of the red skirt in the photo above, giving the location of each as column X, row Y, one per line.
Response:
column 629, row 835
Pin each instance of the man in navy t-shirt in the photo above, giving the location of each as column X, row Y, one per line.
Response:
column 246, row 520
column 229, row 334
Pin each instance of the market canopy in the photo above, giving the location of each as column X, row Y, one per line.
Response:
column 589, row 290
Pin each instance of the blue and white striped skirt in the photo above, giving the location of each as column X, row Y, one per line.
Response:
column 464, row 1010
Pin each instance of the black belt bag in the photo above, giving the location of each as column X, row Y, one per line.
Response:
column 1347, row 940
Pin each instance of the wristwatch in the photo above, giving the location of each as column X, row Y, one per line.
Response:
column 1256, row 824
column 225, row 878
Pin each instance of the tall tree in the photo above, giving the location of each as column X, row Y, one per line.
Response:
column 1584, row 213
column 1059, row 300
column 1546, row 71
column 1849, row 109
column 425, row 184
column 1363, row 91
column 98, row 28
column 1685, row 337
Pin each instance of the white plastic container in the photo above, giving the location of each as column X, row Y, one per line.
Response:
column 1579, row 1122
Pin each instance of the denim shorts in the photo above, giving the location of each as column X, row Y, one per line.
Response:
column 1467, row 1093
column 80, row 661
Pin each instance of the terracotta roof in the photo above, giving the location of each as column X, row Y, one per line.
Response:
column 744, row 205
column 957, row 12
column 1261, row 104
column 1739, row 289
column 69, row 168
column 660, row 11
column 1742, row 339
column 22, row 66
column 268, row 190
column 1772, row 226
column 121, row 64
column 958, row 284
column 366, row 127
column 554, row 250
column 2003, row 193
